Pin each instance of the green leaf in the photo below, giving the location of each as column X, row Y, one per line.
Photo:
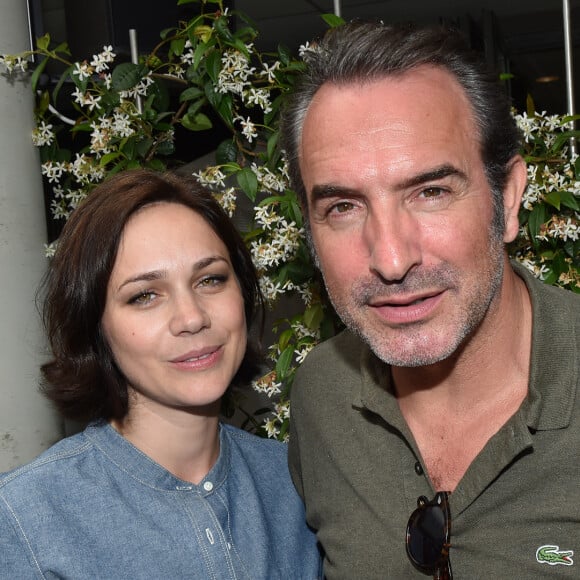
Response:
column 248, row 182
column 190, row 94
column 285, row 338
column 332, row 20
column 568, row 199
column 63, row 48
column 109, row 157
column 227, row 152
column 81, row 127
column 165, row 148
column 159, row 97
column 536, row 219
column 553, row 198
column 199, row 122
column 65, row 75
column 272, row 144
column 37, row 72
column 43, row 42
column 213, row 65
column 126, row 75
column 221, row 27
column 43, row 103
column 284, row 362
column 156, row 165
column 177, row 45
column 284, row 54
column 143, row 146
column 313, row 316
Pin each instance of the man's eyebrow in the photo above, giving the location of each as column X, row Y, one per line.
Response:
column 325, row 190
column 434, row 174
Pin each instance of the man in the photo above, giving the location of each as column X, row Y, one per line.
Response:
column 458, row 371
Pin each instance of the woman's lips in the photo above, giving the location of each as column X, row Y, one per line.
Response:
column 199, row 359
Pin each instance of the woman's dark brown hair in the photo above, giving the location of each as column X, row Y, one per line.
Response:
column 83, row 380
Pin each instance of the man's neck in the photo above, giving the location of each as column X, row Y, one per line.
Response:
column 455, row 406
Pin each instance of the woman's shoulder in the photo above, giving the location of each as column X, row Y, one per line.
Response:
column 46, row 464
column 251, row 444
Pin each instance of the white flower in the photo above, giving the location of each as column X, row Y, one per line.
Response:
column 268, row 385
column 268, row 71
column 227, row 199
column 83, row 70
column 43, row 134
column 266, row 217
column 302, row 353
column 53, row 170
column 270, row 289
column 272, row 430
column 235, row 72
column 14, row 63
column 248, row 128
column 271, row 181
column 101, row 61
column 212, row 176
column 282, row 411
column 50, row 249
column 259, row 97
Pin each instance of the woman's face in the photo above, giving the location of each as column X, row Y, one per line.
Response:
column 174, row 315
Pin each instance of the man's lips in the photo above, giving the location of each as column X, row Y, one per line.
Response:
column 406, row 309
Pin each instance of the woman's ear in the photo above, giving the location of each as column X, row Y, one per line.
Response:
column 512, row 196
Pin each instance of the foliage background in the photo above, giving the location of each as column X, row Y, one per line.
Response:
column 206, row 77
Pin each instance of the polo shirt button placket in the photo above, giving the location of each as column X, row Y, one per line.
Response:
column 419, row 468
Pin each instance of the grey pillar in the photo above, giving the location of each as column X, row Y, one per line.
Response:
column 27, row 423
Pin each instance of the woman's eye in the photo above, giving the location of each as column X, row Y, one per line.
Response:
column 212, row 281
column 143, row 298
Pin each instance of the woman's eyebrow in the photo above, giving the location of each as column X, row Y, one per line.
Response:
column 160, row 274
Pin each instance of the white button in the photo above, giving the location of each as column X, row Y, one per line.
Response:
column 208, row 486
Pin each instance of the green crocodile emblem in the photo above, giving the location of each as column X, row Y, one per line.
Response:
column 552, row 555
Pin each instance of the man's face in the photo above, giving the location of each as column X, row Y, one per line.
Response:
column 400, row 211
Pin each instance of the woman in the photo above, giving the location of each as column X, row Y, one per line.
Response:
column 148, row 302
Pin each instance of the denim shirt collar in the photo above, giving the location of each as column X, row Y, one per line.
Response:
column 135, row 464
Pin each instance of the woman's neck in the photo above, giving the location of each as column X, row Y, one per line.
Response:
column 184, row 442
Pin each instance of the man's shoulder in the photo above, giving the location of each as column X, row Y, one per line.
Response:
column 550, row 301
column 336, row 361
column 344, row 349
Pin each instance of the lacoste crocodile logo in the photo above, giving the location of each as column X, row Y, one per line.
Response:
column 553, row 556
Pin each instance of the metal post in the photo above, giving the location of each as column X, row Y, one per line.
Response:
column 135, row 60
column 337, row 10
column 28, row 424
column 569, row 65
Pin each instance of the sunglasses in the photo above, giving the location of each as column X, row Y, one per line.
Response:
column 428, row 535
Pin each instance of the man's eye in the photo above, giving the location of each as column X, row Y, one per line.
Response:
column 431, row 192
column 341, row 207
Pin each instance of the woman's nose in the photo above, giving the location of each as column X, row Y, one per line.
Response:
column 188, row 315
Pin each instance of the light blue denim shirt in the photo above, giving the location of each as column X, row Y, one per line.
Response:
column 93, row 506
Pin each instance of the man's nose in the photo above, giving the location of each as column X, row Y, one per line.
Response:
column 393, row 239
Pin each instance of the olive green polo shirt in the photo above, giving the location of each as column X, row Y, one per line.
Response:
column 516, row 512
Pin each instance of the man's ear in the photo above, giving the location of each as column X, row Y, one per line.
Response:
column 515, row 186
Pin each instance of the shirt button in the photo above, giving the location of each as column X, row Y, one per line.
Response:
column 418, row 468
column 208, row 486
